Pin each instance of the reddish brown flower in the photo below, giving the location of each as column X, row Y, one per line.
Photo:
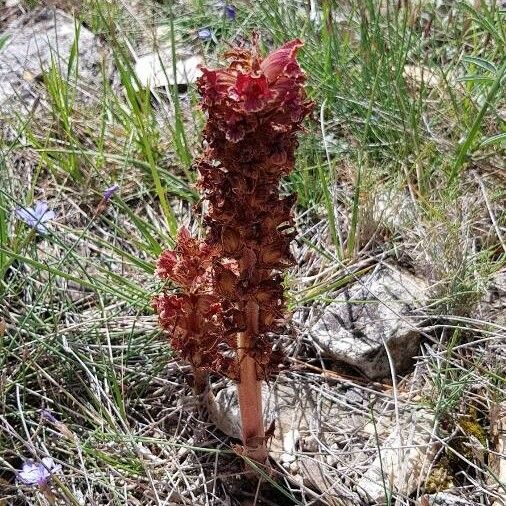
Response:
column 254, row 109
column 188, row 262
column 282, row 62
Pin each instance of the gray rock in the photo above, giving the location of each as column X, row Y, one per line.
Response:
column 381, row 309
column 404, row 460
column 445, row 499
column 291, row 405
column 33, row 41
column 304, row 419
column 314, row 428
column 497, row 458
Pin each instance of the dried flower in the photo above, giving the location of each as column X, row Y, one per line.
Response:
column 47, row 415
column 106, row 197
column 38, row 473
column 36, row 217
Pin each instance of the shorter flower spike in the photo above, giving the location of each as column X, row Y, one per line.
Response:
column 188, row 263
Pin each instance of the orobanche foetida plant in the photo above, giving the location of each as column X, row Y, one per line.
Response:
column 230, row 299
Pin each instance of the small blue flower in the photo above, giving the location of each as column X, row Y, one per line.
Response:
column 205, row 34
column 38, row 473
column 36, row 217
column 230, row 11
column 110, row 191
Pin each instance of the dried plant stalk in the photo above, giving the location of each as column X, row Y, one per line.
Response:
column 231, row 296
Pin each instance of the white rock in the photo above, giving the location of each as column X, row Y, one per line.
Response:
column 155, row 70
column 287, row 458
column 381, row 309
column 403, row 461
column 296, row 410
column 393, row 209
column 290, row 441
column 420, row 75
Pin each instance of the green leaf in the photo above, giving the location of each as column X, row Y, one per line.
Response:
column 495, row 139
column 477, row 78
column 480, row 62
column 3, row 40
column 3, row 232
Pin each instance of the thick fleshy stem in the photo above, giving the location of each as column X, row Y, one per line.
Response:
column 249, row 389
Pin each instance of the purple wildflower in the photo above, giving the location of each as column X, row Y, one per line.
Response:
column 46, row 414
column 38, row 473
column 205, row 34
column 36, row 217
column 230, row 11
column 110, row 191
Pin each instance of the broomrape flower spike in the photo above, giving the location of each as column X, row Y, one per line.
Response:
column 36, row 217
column 230, row 296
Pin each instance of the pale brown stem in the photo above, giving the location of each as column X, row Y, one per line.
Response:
column 249, row 389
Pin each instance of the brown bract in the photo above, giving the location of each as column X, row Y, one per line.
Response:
column 254, row 108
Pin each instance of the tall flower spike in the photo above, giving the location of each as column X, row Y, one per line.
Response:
column 231, row 295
